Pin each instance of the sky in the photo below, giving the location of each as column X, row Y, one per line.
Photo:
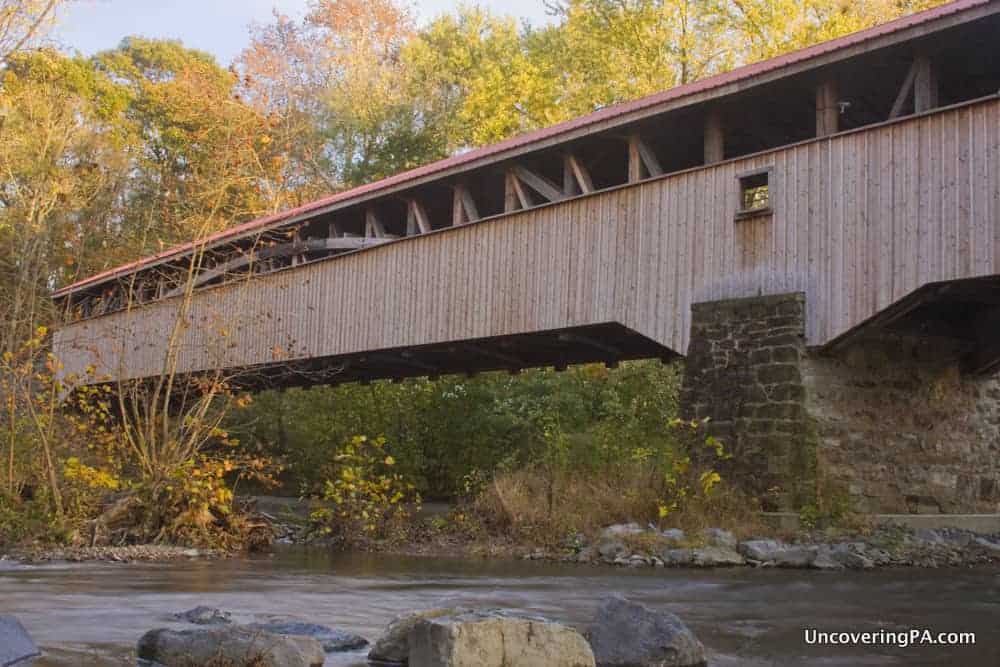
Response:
column 217, row 26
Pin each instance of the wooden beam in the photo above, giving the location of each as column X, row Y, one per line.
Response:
column 570, row 186
column 642, row 161
column 590, row 342
column 925, row 86
column 576, row 173
column 499, row 356
column 416, row 213
column 649, row 159
column 634, row 160
column 457, row 210
column 463, row 205
column 515, row 197
column 373, row 225
column 538, row 183
column 512, row 199
column 827, row 109
column 904, row 92
column 294, row 250
column 715, row 143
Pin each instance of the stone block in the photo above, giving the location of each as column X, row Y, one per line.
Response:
column 494, row 639
column 16, row 646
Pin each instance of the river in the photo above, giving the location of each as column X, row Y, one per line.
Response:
column 93, row 613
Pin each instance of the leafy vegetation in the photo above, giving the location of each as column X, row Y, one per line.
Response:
column 107, row 158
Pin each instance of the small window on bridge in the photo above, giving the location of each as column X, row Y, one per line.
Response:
column 755, row 194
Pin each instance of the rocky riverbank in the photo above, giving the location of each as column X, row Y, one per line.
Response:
column 119, row 554
column 632, row 545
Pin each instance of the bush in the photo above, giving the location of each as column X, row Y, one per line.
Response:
column 677, row 486
column 363, row 496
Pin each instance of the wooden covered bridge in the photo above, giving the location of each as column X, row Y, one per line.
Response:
column 863, row 173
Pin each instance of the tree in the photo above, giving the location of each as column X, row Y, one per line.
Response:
column 60, row 163
column 22, row 22
column 611, row 51
column 199, row 146
column 342, row 66
column 479, row 80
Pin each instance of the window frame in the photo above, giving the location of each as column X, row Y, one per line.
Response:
column 745, row 213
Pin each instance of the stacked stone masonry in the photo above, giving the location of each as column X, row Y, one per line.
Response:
column 902, row 430
column 744, row 373
column 889, row 425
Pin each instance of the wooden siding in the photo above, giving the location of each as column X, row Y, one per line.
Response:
column 859, row 220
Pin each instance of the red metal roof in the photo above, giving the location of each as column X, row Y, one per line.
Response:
column 535, row 136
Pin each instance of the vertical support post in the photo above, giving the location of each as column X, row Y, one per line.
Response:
column 634, row 159
column 463, row 207
column 827, row 111
column 457, row 210
column 510, row 201
column 569, row 178
column 411, row 220
column 714, row 138
column 925, row 86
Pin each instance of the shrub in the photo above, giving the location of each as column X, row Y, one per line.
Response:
column 363, row 496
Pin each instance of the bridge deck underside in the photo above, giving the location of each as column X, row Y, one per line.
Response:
column 963, row 315
column 608, row 343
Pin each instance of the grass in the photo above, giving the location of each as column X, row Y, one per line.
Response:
column 530, row 505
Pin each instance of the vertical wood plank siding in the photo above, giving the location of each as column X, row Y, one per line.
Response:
column 860, row 220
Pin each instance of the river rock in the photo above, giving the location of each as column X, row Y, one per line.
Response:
column 202, row 615
column 676, row 557
column 629, row 634
column 496, row 639
column 776, row 552
column 673, row 535
column 394, row 645
column 715, row 557
column 988, row 546
column 16, row 645
column 333, row 641
column 852, row 555
column 763, row 551
column 824, row 560
column 622, row 530
column 610, row 549
column 796, row 556
column 718, row 537
column 237, row 644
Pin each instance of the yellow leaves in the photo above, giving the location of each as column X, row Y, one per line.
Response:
column 365, row 497
column 708, row 480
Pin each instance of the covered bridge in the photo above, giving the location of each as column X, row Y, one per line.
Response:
column 767, row 223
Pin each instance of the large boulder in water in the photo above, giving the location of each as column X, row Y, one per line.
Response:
column 332, row 640
column 496, row 639
column 394, row 645
column 629, row 634
column 229, row 645
column 16, row 646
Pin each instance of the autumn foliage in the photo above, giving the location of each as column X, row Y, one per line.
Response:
column 107, row 158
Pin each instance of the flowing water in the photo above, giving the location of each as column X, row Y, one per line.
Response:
column 92, row 614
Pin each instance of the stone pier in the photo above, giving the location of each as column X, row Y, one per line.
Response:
column 888, row 425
